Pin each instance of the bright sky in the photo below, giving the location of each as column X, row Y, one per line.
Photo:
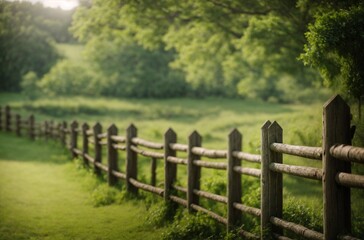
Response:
column 63, row 4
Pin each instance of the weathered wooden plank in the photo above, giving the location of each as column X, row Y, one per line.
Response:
column 177, row 160
column 119, row 147
column 347, row 237
column 247, row 156
column 101, row 136
column 85, row 128
column 153, row 172
column 77, row 152
column 179, row 188
column 193, row 171
column 210, row 153
column 89, row 158
column 300, row 151
column 210, row 213
column 131, row 159
column 178, row 200
column 347, row 153
column 146, row 187
column 264, row 181
column 211, row 196
column 148, row 144
column 246, row 209
column 147, row 153
column 170, row 168
column 101, row 166
column 350, row 180
column 336, row 129
column 297, row 229
column 248, row 171
column 119, row 139
column 279, row 237
column 179, row 147
column 119, row 175
column 300, row 171
column 112, row 155
column 98, row 148
column 248, row 235
column 213, row 165
column 73, row 140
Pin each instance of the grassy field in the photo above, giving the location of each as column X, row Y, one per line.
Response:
column 44, row 196
column 213, row 118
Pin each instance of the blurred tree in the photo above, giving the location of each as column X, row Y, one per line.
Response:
column 23, row 46
column 224, row 47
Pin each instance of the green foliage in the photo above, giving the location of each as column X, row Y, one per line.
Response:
column 68, row 78
column 29, row 85
column 161, row 214
column 333, row 43
column 193, row 226
column 103, row 195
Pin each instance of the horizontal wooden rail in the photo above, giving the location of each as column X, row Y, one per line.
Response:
column 300, row 171
column 89, row 133
column 89, row 158
column 248, row 171
column 147, row 187
column 347, row 237
column 147, row 153
column 347, row 153
column 178, row 147
column 103, row 143
column 213, row 165
column 350, row 180
column 148, row 144
column 296, row 228
column 178, row 200
column 179, row 188
column 300, row 151
column 119, row 147
column 118, row 139
column 248, row 235
column 210, row 213
column 211, row 196
column 177, row 160
column 91, row 141
column 209, row 153
column 102, row 136
column 279, row 237
column 77, row 151
column 246, row 209
column 119, row 174
column 247, row 156
column 102, row 166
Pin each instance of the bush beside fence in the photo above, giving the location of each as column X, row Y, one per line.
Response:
column 336, row 154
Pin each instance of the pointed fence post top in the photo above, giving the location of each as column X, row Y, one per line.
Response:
column 97, row 127
column 132, row 127
column 234, row 133
column 7, row 108
column 266, row 125
column 74, row 124
column 336, row 102
column 85, row 127
column 31, row 117
column 275, row 126
column 112, row 129
column 194, row 135
column 170, row 132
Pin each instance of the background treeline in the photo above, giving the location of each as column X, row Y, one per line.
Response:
column 280, row 51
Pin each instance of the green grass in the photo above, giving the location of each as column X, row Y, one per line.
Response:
column 213, row 118
column 44, row 196
column 72, row 52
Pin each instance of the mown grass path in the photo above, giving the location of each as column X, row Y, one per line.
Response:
column 43, row 196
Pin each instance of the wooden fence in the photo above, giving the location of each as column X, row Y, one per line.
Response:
column 336, row 154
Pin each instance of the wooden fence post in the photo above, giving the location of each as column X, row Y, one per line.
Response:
column 7, row 119
column 153, row 169
column 336, row 199
column 271, row 182
column 51, row 128
column 46, row 130
column 1, row 118
column 98, row 148
column 131, row 159
column 31, row 129
column 170, row 169
column 63, row 133
column 264, row 183
column 74, row 134
column 193, row 172
column 112, row 155
column 59, row 127
column 85, row 128
column 234, row 191
column 17, row 124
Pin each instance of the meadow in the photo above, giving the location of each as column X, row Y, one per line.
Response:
column 213, row 118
